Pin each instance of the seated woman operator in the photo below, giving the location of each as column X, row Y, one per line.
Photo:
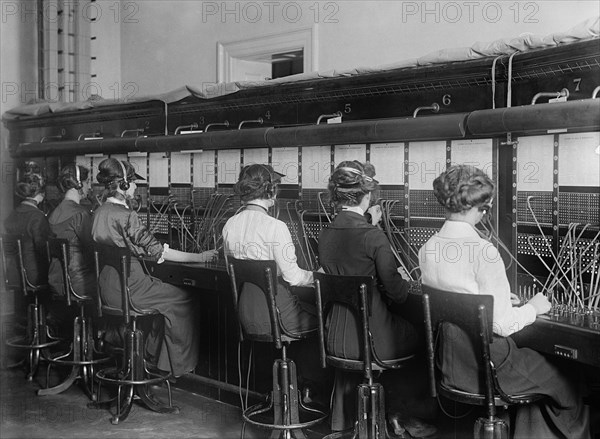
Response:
column 115, row 224
column 29, row 221
column 254, row 234
column 476, row 267
column 73, row 222
column 352, row 246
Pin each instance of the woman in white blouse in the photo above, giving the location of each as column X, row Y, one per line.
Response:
column 254, row 234
column 458, row 259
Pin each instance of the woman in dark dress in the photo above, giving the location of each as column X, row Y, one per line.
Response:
column 117, row 225
column 353, row 246
column 30, row 222
column 73, row 222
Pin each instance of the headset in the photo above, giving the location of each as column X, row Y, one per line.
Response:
column 123, row 184
column 356, row 172
column 485, row 208
column 78, row 183
column 270, row 188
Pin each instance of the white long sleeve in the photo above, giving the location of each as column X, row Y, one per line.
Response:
column 255, row 235
column 457, row 259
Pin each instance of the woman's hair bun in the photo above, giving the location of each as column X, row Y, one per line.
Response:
column 29, row 185
column 461, row 187
column 351, row 181
column 68, row 178
column 257, row 181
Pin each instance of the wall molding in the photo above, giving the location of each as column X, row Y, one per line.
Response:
column 261, row 48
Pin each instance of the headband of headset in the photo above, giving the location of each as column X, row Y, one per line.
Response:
column 355, row 171
column 123, row 183
column 78, row 183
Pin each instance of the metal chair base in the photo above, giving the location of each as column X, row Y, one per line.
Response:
column 82, row 357
column 285, row 405
column 490, row 428
column 133, row 381
column 371, row 421
column 36, row 340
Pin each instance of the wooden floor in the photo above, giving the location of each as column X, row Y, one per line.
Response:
column 23, row 415
column 66, row 416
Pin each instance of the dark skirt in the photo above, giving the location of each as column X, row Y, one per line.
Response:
column 296, row 316
column 178, row 351
column 520, row 370
column 393, row 337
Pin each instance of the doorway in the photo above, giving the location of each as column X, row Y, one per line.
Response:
column 267, row 57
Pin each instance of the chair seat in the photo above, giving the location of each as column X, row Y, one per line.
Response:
column 35, row 289
column 289, row 338
column 74, row 299
column 112, row 311
column 345, row 363
column 479, row 398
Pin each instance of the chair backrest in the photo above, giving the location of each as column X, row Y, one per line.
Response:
column 15, row 274
column 263, row 274
column 352, row 292
column 473, row 313
column 59, row 249
column 120, row 259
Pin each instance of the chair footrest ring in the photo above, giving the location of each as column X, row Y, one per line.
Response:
column 320, row 415
column 22, row 343
column 154, row 378
column 60, row 361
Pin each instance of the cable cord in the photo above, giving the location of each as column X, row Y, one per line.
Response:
column 494, row 235
column 244, row 398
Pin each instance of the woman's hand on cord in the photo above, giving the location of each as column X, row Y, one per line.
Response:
column 514, row 299
column 540, row 303
column 376, row 214
column 402, row 272
column 208, row 256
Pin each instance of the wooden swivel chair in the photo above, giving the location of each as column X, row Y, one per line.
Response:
column 37, row 337
column 473, row 315
column 133, row 376
column 284, row 401
column 82, row 355
column 353, row 292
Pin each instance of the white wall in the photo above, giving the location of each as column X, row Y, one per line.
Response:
column 18, row 80
column 173, row 43
column 106, row 49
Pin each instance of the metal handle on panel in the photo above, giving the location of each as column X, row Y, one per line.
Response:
column 136, row 131
column 435, row 107
column 45, row 138
column 323, row 116
column 183, row 127
column 258, row 121
column 216, row 124
column 89, row 135
column 564, row 93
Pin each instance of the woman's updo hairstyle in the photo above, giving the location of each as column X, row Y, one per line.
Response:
column 111, row 171
column 110, row 174
column 29, row 185
column 461, row 187
column 72, row 176
column 350, row 182
column 257, row 182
